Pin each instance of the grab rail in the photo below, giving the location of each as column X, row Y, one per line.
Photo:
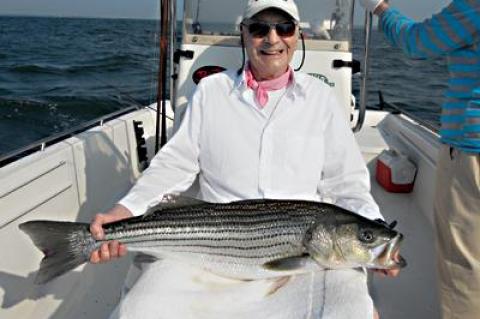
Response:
column 363, row 89
column 398, row 110
column 55, row 138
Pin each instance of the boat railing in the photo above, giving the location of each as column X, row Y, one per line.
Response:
column 364, row 76
column 40, row 145
column 434, row 127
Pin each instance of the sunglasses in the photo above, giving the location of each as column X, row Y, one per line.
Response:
column 262, row 29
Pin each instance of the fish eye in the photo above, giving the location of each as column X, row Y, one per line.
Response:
column 366, row 236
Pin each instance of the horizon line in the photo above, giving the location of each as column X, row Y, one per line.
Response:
column 22, row 15
column 33, row 15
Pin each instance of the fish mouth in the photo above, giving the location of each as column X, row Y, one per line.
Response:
column 389, row 258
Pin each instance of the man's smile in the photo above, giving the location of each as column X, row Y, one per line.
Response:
column 272, row 52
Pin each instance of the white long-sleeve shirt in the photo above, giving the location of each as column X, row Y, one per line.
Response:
column 304, row 149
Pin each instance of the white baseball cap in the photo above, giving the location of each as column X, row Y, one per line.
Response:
column 255, row 6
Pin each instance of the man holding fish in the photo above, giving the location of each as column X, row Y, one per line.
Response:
column 307, row 150
column 261, row 132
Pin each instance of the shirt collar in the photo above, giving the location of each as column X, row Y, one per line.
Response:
column 240, row 84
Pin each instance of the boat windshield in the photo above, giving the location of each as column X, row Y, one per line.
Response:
column 329, row 20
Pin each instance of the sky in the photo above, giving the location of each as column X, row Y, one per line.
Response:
column 138, row 9
column 148, row 9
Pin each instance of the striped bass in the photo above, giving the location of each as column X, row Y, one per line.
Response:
column 247, row 239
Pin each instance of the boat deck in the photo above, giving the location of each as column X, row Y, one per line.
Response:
column 413, row 294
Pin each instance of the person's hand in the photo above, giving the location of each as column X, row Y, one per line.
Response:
column 389, row 272
column 112, row 249
column 370, row 5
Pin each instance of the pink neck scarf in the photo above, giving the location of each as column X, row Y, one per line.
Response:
column 261, row 88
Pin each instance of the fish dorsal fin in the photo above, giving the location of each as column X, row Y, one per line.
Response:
column 170, row 201
column 287, row 264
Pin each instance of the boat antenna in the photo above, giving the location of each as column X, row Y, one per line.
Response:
column 162, row 76
column 197, row 27
column 303, row 51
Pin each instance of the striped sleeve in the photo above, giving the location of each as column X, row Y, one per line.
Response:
column 456, row 26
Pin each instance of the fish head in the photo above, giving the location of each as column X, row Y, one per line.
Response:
column 355, row 242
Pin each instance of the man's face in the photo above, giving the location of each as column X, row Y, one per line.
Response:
column 269, row 55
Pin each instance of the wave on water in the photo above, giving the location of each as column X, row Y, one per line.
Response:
column 81, row 107
column 105, row 64
column 110, row 63
column 12, row 103
column 24, row 121
column 5, row 92
column 36, row 68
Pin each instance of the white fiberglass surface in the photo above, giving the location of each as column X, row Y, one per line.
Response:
column 320, row 20
column 413, row 294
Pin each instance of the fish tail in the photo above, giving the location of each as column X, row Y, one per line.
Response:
column 65, row 245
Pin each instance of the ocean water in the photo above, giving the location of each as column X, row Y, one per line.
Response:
column 56, row 73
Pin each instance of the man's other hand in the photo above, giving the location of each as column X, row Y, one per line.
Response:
column 112, row 249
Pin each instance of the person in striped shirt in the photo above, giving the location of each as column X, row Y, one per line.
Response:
column 454, row 32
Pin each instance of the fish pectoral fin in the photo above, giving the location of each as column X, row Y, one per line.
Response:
column 142, row 258
column 277, row 284
column 170, row 201
column 287, row 264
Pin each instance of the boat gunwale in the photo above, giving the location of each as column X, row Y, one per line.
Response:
column 39, row 145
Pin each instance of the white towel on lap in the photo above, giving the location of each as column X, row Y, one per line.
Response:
column 170, row 290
